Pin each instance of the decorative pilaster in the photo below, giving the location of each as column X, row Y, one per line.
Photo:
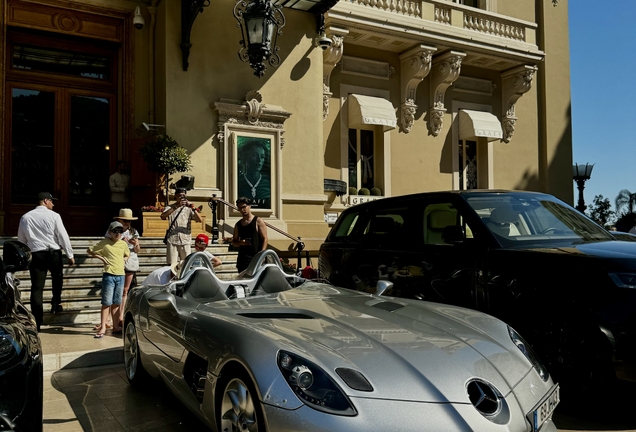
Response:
column 330, row 58
column 446, row 69
column 515, row 83
column 415, row 66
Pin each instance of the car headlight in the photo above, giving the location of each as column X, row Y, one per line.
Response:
column 624, row 280
column 313, row 386
column 9, row 350
column 529, row 353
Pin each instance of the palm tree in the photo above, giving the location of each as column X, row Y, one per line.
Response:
column 625, row 201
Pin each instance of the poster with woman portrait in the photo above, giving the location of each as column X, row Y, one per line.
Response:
column 254, row 156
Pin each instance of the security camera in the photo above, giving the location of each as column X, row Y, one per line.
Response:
column 323, row 42
column 138, row 19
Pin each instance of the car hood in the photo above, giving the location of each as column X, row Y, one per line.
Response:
column 601, row 249
column 431, row 350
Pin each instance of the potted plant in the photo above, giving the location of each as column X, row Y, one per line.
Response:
column 164, row 156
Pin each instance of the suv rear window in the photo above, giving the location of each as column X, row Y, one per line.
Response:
column 345, row 226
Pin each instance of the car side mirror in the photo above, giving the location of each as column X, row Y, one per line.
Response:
column 453, row 234
column 164, row 301
column 16, row 256
column 382, row 286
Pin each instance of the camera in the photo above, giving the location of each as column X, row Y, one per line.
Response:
column 323, row 41
column 138, row 19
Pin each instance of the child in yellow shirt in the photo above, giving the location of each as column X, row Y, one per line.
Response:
column 113, row 252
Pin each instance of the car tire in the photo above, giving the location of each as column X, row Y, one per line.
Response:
column 238, row 405
column 132, row 357
column 583, row 358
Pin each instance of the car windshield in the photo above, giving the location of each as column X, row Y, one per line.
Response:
column 533, row 218
column 194, row 261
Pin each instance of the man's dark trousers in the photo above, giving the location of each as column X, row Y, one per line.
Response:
column 41, row 262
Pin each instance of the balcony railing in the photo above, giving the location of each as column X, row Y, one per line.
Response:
column 455, row 15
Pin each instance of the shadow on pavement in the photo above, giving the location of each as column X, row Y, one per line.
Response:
column 101, row 399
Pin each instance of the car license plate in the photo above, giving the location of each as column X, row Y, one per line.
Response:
column 545, row 409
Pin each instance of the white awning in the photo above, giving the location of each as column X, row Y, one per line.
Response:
column 368, row 110
column 476, row 124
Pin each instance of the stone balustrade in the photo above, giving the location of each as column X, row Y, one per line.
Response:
column 457, row 15
column 400, row 7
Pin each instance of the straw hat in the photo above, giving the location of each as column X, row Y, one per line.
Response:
column 125, row 214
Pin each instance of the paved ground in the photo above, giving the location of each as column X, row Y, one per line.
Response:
column 85, row 389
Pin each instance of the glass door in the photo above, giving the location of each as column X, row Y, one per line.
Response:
column 61, row 141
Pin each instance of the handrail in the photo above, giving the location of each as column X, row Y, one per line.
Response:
column 300, row 245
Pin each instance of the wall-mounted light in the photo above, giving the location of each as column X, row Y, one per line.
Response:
column 138, row 20
column 261, row 22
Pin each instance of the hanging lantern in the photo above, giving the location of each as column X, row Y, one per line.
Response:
column 261, row 22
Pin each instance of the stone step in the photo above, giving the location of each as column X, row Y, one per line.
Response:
column 81, row 293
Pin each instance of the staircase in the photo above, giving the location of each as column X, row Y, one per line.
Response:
column 81, row 293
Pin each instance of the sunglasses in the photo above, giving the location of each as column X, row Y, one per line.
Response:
column 117, row 231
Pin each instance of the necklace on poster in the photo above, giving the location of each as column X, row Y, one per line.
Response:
column 253, row 186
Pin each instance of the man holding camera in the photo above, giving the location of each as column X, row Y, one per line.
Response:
column 178, row 236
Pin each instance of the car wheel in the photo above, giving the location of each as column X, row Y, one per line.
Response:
column 238, row 408
column 581, row 358
column 132, row 357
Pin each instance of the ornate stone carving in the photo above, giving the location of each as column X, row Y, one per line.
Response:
column 415, row 66
column 254, row 99
column 326, row 94
column 446, row 69
column 515, row 83
column 508, row 126
column 252, row 111
column 330, row 58
column 408, row 115
column 391, row 71
column 436, row 118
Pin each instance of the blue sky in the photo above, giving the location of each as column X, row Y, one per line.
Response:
column 603, row 84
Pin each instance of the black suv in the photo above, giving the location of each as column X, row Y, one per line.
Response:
column 560, row 279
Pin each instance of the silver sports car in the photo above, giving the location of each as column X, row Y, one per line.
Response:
column 273, row 352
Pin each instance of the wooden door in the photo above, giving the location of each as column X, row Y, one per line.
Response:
column 61, row 130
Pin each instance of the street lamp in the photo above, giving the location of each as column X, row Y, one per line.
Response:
column 261, row 22
column 581, row 174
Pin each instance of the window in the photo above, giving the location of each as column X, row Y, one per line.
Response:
column 437, row 217
column 389, row 228
column 468, row 165
column 472, row 3
column 345, row 226
column 60, row 61
column 361, row 150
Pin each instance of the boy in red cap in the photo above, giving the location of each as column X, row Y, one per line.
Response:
column 200, row 243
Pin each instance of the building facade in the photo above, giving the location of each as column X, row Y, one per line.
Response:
column 385, row 96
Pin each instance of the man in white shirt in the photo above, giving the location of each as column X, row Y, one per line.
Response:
column 43, row 232
column 162, row 275
column 119, row 184
column 179, row 216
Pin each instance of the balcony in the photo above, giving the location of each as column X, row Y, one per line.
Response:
column 490, row 40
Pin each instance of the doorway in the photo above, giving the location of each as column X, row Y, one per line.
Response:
column 61, row 137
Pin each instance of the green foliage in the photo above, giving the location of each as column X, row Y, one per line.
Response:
column 625, row 202
column 364, row 191
column 353, row 191
column 163, row 155
column 600, row 211
column 376, row 191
